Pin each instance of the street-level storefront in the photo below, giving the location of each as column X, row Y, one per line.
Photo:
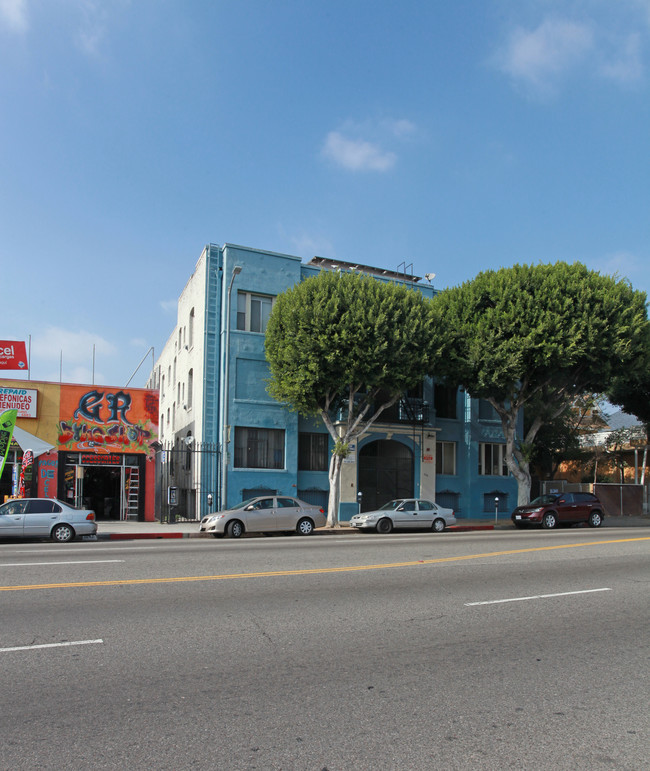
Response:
column 102, row 452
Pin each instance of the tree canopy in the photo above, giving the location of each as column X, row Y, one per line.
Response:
column 338, row 341
column 631, row 391
column 547, row 332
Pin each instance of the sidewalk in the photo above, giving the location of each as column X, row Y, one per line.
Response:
column 129, row 530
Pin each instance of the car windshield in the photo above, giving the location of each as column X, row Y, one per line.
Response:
column 391, row 505
column 543, row 500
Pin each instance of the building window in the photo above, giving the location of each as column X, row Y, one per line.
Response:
column 259, row 447
column 492, row 460
column 253, row 311
column 446, row 458
column 163, row 387
column 190, row 388
column 486, row 411
column 449, row 500
column 312, row 452
column 191, row 333
column 444, row 399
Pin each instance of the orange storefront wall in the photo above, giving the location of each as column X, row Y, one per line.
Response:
column 92, row 419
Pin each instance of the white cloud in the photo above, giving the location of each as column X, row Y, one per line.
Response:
column 357, row 154
column 625, row 265
column 539, row 58
column 626, row 66
column 169, row 306
column 309, row 246
column 76, row 347
column 13, row 14
column 93, row 25
column 401, row 128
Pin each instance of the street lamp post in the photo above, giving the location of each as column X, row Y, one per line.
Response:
column 226, row 396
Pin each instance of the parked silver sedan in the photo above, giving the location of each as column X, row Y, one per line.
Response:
column 265, row 514
column 408, row 513
column 45, row 518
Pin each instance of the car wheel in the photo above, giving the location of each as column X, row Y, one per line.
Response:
column 438, row 525
column 384, row 526
column 595, row 519
column 235, row 529
column 305, row 526
column 62, row 533
column 549, row 520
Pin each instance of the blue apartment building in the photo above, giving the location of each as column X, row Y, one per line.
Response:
column 224, row 439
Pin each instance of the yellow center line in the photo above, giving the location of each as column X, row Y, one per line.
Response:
column 313, row 571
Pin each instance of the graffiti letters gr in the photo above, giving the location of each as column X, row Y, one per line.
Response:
column 118, row 404
column 89, row 406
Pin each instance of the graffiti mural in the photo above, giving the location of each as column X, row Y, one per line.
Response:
column 108, row 420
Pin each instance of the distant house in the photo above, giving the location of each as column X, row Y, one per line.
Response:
column 614, row 449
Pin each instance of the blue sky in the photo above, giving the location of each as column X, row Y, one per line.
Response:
column 453, row 136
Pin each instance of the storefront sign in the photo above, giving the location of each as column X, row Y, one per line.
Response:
column 106, row 421
column 21, row 399
column 47, row 469
column 351, row 457
column 13, row 355
column 88, row 459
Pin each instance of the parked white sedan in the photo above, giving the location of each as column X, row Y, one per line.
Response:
column 407, row 513
column 265, row 514
column 45, row 518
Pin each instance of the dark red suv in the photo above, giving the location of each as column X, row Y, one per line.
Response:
column 563, row 509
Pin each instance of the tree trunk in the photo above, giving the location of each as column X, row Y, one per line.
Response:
column 521, row 472
column 518, row 466
column 335, row 490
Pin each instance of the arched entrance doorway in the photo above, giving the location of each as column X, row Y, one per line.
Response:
column 385, row 472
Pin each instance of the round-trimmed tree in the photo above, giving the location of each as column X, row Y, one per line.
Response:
column 344, row 346
column 543, row 332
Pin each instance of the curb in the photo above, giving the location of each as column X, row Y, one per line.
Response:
column 140, row 536
column 197, row 534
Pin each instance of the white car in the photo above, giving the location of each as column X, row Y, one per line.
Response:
column 407, row 513
column 265, row 514
column 45, row 518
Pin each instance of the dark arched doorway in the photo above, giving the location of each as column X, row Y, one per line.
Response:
column 385, row 472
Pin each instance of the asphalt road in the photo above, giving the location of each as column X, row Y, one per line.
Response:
column 360, row 652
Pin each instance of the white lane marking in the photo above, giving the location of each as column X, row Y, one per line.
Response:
column 538, row 597
column 33, row 564
column 51, row 645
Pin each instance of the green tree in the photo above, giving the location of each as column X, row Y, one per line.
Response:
column 631, row 392
column 558, row 437
column 544, row 332
column 345, row 346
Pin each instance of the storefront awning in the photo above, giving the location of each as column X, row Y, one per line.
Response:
column 27, row 441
